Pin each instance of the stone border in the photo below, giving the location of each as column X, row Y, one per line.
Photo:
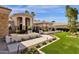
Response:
column 4, row 52
column 41, row 52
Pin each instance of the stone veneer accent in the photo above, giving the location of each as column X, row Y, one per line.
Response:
column 4, row 16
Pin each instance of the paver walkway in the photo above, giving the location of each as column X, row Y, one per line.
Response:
column 3, row 47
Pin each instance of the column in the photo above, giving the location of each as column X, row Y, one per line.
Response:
column 31, row 22
column 23, row 23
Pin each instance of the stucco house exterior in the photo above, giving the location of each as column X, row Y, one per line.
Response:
column 50, row 25
column 4, row 17
column 22, row 21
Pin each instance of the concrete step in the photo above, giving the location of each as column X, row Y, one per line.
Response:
column 4, row 52
column 3, row 47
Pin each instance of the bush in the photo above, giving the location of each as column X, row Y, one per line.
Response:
column 45, row 30
column 30, row 51
column 29, row 28
column 23, row 31
column 50, row 40
column 23, row 39
column 17, row 31
column 38, row 46
column 24, row 51
column 19, row 41
column 44, row 43
column 54, row 38
column 14, row 41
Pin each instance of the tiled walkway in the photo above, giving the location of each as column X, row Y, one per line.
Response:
column 3, row 47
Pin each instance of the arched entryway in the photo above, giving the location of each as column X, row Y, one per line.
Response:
column 19, row 20
column 27, row 24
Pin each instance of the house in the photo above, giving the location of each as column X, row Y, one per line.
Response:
column 45, row 25
column 22, row 21
column 4, row 16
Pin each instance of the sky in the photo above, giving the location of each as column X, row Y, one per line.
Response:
column 43, row 12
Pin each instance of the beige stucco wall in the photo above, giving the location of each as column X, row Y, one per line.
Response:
column 4, row 16
column 50, row 25
column 14, row 18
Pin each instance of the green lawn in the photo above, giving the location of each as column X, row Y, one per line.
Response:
column 65, row 45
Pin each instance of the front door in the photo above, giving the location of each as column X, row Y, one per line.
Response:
column 20, row 27
column 19, row 19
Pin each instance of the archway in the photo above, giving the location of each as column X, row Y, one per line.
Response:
column 19, row 21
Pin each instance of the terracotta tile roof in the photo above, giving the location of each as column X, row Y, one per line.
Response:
column 5, row 8
column 20, row 14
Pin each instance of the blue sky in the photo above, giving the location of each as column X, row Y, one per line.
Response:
column 43, row 12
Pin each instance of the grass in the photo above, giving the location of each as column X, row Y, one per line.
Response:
column 66, row 45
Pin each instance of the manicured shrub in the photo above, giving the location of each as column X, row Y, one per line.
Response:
column 45, row 30
column 23, row 39
column 54, row 38
column 30, row 51
column 44, row 43
column 24, row 51
column 23, row 31
column 38, row 46
column 14, row 41
column 50, row 40
column 19, row 41
column 17, row 31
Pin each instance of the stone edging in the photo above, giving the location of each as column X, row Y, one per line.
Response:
column 41, row 52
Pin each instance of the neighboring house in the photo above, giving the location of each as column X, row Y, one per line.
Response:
column 60, row 26
column 4, row 16
column 43, row 24
column 22, row 21
column 50, row 25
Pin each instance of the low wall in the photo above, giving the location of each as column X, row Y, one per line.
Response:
column 19, row 37
column 29, row 44
column 50, row 32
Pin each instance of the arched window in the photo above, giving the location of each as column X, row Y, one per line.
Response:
column 19, row 22
column 27, row 21
column 19, row 19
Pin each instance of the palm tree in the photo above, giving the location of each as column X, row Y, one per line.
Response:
column 53, row 27
column 27, row 12
column 33, row 14
column 53, row 21
column 72, row 14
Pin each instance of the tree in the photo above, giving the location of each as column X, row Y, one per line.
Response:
column 72, row 14
column 33, row 14
column 27, row 12
column 53, row 21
